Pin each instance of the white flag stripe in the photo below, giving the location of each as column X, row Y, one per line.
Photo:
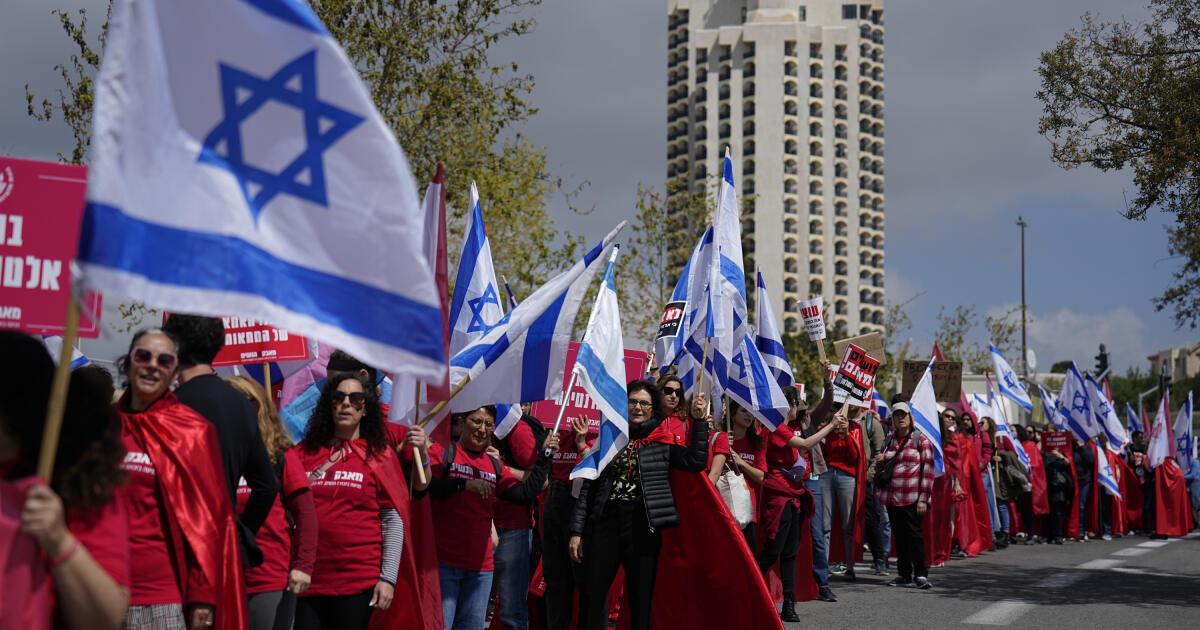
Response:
column 1183, row 434
column 1007, row 380
column 925, row 415
column 1162, row 442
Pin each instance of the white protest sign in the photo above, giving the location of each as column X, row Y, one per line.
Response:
column 814, row 319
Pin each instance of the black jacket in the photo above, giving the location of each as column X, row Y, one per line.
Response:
column 654, row 463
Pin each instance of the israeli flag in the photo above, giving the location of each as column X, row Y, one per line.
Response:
column 600, row 369
column 475, row 307
column 880, row 405
column 981, row 407
column 1104, row 473
column 925, row 415
column 238, row 165
column 752, row 383
column 1007, row 380
column 689, row 289
column 1105, row 415
column 727, row 278
column 1131, row 419
column 512, row 299
column 1049, row 404
column 1003, row 428
column 768, row 340
column 521, row 357
column 1074, row 409
column 1162, row 442
column 507, row 417
column 1183, row 434
column 54, row 347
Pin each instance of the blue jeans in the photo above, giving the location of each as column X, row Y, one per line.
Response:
column 838, row 485
column 991, row 498
column 512, row 576
column 1085, row 489
column 464, row 597
column 1002, row 508
column 820, row 555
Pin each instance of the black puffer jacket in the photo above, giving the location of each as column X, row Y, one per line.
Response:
column 654, row 463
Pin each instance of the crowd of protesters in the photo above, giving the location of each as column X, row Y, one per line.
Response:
column 181, row 501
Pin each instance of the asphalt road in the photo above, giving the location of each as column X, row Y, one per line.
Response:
column 1129, row 582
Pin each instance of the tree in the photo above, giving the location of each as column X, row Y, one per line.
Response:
column 1122, row 95
column 955, row 331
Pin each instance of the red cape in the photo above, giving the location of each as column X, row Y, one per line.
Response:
column 1097, row 492
column 183, row 447
column 1131, row 494
column 1120, row 523
column 1172, row 515
column 976, row 504
column 836, row 549
column 936, row 524
column 1071, row 527
column 28, row 595
column 1037, row 477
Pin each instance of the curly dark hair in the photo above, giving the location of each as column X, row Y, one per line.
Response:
column 123, row 361
column 202, row 337
column 90, row 449
column 319, row 432
column 655, row 396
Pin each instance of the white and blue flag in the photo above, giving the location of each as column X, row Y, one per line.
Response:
column 768, row 340
column 1075, row 408
column 923, row 404
column 1105, row 415
column 753, row 385
column 1049, row 405
column 1104, row 473
column 475, row 306
column 727, row 277
column 238, row 165
column 1183, row 435
column 692, row 291
column 521, row 357
column 600, row 369
column 1007, row 380
column 1133, row 423
column 54, row 347
column 880, row 405
column 1003, row 428
column 507, row 417
column 512, row 299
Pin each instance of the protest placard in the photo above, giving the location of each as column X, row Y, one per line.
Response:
column 870, row 343
column 856, row 373
column 252, row 341
column 672, row 317
column 579, row 404
column 814, row 319
column 41, row 208
column 1057, row 440
column 947, row 378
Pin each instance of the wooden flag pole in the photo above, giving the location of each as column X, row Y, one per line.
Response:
column 418, row 465
column 821, row 350
column 442, row 404
column 703, row 366
column 267, row 379
column 58, row 393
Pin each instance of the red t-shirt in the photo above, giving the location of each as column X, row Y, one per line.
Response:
column 152, row 563
column 756, row 458
column 681, row 428
column 566, row 457
column 718, row 446
column 462, row 522
column 348, row 500
column 275, row 536
column 524, row 450
column 781, row 457
column 839, row 451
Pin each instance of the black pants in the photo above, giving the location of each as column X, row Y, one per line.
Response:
column 556, row 563
column 620, row 538
column 748, row 532
column 910, row 547
column 334, row 612
column 783, row 547
column 1025, row 506
column 1059, row 511
column 1149, row 499
column 874, row 524
column 272, row 610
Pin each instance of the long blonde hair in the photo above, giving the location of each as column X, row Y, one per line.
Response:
column 269, row 424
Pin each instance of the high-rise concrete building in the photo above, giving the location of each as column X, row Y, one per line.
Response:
column 795, row 89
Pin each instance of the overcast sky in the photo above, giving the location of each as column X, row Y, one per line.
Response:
column 963, row 159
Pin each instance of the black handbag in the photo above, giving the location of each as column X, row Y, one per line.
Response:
column 885, row 468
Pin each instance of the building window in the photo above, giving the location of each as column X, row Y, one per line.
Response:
column 802, row 13
column 849, row 11
column 743, row 15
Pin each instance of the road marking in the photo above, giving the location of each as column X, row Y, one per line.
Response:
column 1001, row 613
column 1131, row 552
column 1155, row 544
column 1100, row 563
column 1133, row 571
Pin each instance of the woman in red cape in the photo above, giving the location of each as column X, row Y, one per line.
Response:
column 195, row 519
column 421, row 564
column 1131, row 494
column 1037, row 478
column 1172, row 516
column 938, row 524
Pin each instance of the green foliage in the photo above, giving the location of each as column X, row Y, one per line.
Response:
column 1060, row 367
column 75, row 102
column 1123, row 95
column 956, row 331
column 805, row 361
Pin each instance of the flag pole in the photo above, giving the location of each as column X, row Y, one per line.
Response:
column 703, row 365
column 562, row 409
column 58, row 392
column 418, row 465
column 267, row 378
column 442, row 403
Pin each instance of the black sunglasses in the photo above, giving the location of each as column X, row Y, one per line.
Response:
column 672, row 391
column 357, row 399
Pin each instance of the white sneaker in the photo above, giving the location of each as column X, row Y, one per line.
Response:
column 1106, row 537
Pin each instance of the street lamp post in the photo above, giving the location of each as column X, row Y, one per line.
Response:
column 1024, row 351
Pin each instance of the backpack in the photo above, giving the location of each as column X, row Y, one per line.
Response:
column 539, row 435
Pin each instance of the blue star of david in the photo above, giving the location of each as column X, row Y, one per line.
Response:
column 740, row 361
column 243, row 94
column 1103, row 410
column 477, row 305
column 1011, row 381
column 1079, row 403
column 1183, row 443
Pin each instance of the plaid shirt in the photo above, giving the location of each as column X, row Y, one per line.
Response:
column 912, row 478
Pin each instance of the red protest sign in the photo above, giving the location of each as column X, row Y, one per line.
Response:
column 41, row 208
column 1057, row 440
column 579, row 404
column 856, row 374
column 252, row 341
